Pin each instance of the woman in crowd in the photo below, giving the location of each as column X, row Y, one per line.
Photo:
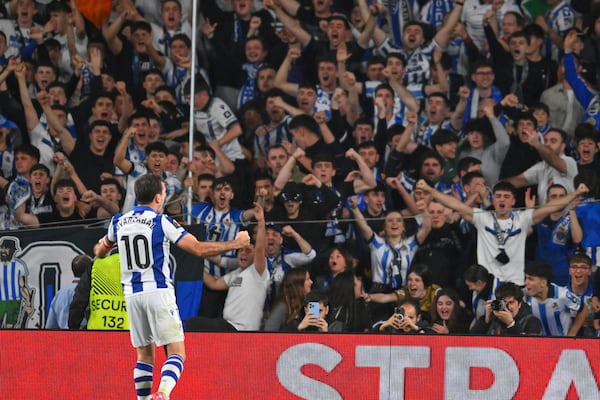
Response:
column 418, row 287
column 347, row 305
column 392, row 254
column 483, row 284
column 294, row 287
column 340, row 260
column 447, row 314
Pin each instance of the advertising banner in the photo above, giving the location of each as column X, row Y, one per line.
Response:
column 79, row 364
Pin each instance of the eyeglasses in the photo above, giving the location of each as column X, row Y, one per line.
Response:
column 291, row 196
column 579, row 266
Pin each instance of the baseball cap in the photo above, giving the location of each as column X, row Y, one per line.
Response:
column 292, row 191
column 6, row 123
column 274, row 226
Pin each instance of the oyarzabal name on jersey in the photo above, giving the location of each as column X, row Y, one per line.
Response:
column 136, row 219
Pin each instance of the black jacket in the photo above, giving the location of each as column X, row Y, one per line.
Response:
column 525, row 324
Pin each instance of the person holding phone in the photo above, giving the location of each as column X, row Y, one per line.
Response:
column 405, row 319
column 316, row 308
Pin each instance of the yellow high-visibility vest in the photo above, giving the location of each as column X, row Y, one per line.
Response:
column 107, row 302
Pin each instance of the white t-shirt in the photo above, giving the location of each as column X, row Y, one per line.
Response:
column 544, row 175
column 246, row 298
column 487, row 244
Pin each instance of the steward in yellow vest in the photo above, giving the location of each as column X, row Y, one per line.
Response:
column 101, row 291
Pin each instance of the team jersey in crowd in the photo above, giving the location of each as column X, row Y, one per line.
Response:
column 144, row 238
column 280, row 264
column 281, row 133
column 214, row 121
column 17, row 39
column 478, row 301
column 219, row 226
column 418, row 65
column 557, row 311
column 390, row 263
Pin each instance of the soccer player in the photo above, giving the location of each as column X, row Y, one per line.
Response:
column 143, row 236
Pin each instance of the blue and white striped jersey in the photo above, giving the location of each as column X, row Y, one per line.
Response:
column 219, row 226
column 418, row 65
column 279, row 134
column 383, row 255
column 10, row 276
column 557, row 311
column 144, row 238
column 478, row 303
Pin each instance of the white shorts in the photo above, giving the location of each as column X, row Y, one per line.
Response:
column 154, row 318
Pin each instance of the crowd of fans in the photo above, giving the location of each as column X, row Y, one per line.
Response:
column 426, row 166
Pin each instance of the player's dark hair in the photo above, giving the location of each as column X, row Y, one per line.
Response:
column 146, row 187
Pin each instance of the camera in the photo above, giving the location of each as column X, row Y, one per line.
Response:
column 399, row 311
column 498, row 305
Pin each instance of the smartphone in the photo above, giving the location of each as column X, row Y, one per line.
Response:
column 399, row 311
column 313, row 308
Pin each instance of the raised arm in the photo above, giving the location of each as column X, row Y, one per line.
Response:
column 158, row 59
column 286, row 171
column 425, row 228
column 31, row 117
column 281, row 77
column 378, row 35
column 443, row 35
column 110, row 32
column 303, row 244
column 546, row 153
column 404, row 94
column 367, row 180
column 226, row 167
column 260, row 256
column 119, row 159
column 459, row 111
column 55, row 127
column 293, row 111
column 190, row 244
column 95, row 200
column 502, row 139
column 557, row 204
column 369, row 29
column 291, row 23
column 365, row 230
column 449, row 201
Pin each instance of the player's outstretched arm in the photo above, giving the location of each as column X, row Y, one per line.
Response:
column 203, row 249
